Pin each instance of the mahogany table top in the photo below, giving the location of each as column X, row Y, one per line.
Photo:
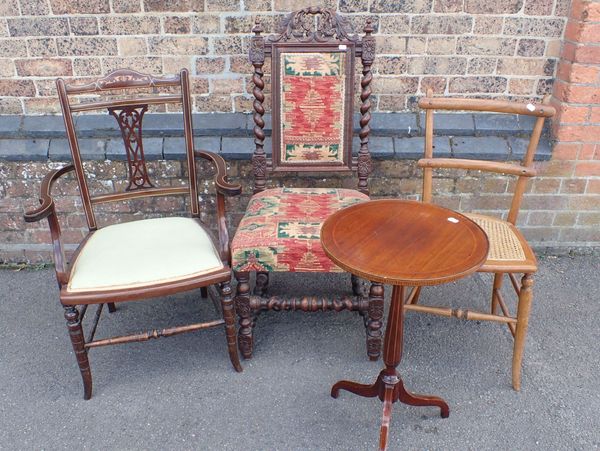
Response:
column 403, row 242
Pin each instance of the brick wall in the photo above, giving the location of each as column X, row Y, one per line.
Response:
column 500, row 48
column 576, row 159
column 506, row 49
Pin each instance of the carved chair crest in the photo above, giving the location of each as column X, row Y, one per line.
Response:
column 312, row 59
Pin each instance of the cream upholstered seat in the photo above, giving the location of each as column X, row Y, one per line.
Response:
column 146, row 258
column 138, row 253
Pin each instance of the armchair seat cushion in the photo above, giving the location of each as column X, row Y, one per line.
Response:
column 280, row 230
column 145, row 252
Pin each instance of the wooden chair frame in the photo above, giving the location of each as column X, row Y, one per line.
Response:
column 75, row 304
column 310, row 29
column 528, row 266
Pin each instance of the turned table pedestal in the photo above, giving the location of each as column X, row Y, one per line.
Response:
column 405, row 244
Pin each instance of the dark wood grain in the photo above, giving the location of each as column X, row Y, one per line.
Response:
column 129, row 113
column 314, row 30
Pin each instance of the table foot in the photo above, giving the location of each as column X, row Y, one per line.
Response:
column 390, row 388
column 412, row 399
column 388, row 401
column 364, row 390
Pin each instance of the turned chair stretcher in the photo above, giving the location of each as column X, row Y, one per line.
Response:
column 145, row 258
column 313, row 59
column 510, row 254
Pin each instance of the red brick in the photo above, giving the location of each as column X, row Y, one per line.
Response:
column 583, row 202
column 565, row 151
column 577, row 132
column 581, row 94
column 573, row 115
column 595, row 115
column 588, row 168
column 573, row 186
column 593, row 187
column 540, row 218
column 555, row 168
column 563, row 72
column 593, row 11
column 590, row 33
column 573, row 30
column 587, row 218
column 587, row 54
column 545, row 185
column 584, row 74
column 564, row 219
column 587, row 151
column 579, row 10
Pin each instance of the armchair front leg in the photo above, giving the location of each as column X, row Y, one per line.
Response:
column 224, row 188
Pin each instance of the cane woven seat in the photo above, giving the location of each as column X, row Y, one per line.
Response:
column 509, row 253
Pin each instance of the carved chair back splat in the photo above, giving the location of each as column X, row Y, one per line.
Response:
column 313, row 89
column 171, row 254
column 509, row 253
column 313, row 56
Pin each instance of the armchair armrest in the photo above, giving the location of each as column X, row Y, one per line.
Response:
column 47, row 207
column 223, row 186
column 47, row 210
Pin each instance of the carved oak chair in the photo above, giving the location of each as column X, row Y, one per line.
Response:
column 509, row 253
column 144, row 258
column 313, row 88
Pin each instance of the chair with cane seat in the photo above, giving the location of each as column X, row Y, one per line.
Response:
column 509, row 253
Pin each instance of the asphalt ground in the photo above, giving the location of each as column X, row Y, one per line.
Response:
column 182, row 393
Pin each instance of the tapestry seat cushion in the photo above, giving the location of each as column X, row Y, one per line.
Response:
column 280, row 230
column 141, row 253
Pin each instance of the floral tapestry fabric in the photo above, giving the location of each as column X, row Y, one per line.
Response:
column 312, row 107
column 281, row 227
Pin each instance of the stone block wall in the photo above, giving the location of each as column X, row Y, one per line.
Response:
column 509, row 49
column 499, row 49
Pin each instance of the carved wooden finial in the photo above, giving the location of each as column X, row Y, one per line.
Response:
column 257, row 29
column 369, row 27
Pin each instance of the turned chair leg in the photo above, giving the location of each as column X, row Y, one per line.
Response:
column 229, row 317
column 112, row 308
column 356, row 285
column 374, row 322
column 262, row 283
column 498, row 278
column 245, row 314
column 78, row 342
column 523, row 309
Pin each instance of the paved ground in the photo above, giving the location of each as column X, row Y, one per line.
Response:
column 181, row 392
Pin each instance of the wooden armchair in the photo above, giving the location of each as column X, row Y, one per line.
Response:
column 509, row 253
column 313, row 88
column 144, row 258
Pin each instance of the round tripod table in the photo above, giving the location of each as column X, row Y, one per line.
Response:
column 402, row 243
